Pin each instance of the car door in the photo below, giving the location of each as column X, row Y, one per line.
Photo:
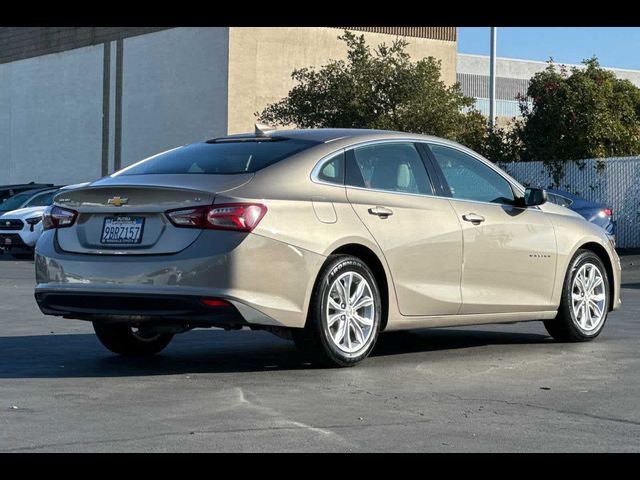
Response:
column 509, row 251
column 389, row 188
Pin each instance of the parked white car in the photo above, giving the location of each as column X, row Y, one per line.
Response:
column 20, row 230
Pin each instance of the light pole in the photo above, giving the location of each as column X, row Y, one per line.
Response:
column 492, row 78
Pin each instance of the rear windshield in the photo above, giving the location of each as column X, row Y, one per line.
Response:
column 221, row 157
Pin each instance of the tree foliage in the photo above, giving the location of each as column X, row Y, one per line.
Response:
column 380, row 89
column 571, row 115
column 567, row 115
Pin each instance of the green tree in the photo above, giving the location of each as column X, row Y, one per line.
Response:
column 577, row 114
column 382, row 89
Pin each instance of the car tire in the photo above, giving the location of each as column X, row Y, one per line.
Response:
column 341, row 333
column 122, row 339
column 585, row 300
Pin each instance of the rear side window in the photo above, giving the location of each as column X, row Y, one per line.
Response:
column 394, row 167
column 221, row 157
column 332, row 171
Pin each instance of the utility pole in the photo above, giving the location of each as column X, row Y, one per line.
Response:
column 492, row 78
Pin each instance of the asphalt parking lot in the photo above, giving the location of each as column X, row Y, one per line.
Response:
column 489, row 388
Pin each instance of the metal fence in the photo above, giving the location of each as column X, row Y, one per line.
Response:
column 617, row 185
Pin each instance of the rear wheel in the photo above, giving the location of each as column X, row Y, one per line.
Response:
column 126, row 340
column 344, row 314
column 585, row 300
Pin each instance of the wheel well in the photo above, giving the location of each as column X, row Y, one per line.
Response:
column 600, row 251
column 373, row 262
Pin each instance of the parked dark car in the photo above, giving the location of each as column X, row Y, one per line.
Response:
column 595, row 212
column 8, row 191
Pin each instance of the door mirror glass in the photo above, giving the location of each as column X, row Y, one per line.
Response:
column 534, row 196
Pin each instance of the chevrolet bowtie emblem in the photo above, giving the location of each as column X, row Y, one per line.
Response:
column 117, row 201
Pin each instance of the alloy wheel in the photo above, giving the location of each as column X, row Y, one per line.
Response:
column 588, row 297
column 350, row 312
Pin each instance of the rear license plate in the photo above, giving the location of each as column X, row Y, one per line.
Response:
column 122, row 230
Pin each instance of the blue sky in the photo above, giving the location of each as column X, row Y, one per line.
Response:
column 617, row 47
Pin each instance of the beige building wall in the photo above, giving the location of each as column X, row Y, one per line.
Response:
column 261, row 60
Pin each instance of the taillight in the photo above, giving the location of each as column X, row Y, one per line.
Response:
column 236, row 216
column 243, row 217
column 212, row 302
column 608, row 212
column 58, row 217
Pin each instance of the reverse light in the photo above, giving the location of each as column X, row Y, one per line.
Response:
column 189, row 217
column 243, row 217
column 58, row 217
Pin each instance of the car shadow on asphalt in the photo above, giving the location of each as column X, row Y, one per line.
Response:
column 631, row 285
column 6, row 257
column 216, row 351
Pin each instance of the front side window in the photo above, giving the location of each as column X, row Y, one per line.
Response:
column 220, row 157
column 469, row 178
column 394, row 167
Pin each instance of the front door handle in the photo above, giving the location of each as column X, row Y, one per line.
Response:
column 382, row 212
column 473, row 218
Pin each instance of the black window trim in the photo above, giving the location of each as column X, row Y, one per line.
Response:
column 439, row 184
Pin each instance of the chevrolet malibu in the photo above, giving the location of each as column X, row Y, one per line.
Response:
column 326, row 237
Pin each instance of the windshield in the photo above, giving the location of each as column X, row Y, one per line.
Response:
column 42, row 200
column 219, row 157
column 16, row 201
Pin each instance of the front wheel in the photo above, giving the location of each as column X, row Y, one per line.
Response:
column 344, row 314
column 126, row 340
column 585, row 300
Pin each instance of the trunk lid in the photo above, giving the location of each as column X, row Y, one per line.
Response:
column 141, row 201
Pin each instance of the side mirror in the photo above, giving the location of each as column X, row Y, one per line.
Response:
column 534, row 196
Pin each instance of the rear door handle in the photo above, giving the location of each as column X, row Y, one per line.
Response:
column 382, row 212
column 473, row 218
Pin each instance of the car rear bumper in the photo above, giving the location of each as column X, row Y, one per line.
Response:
column 137, row 307
column 266, row 281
